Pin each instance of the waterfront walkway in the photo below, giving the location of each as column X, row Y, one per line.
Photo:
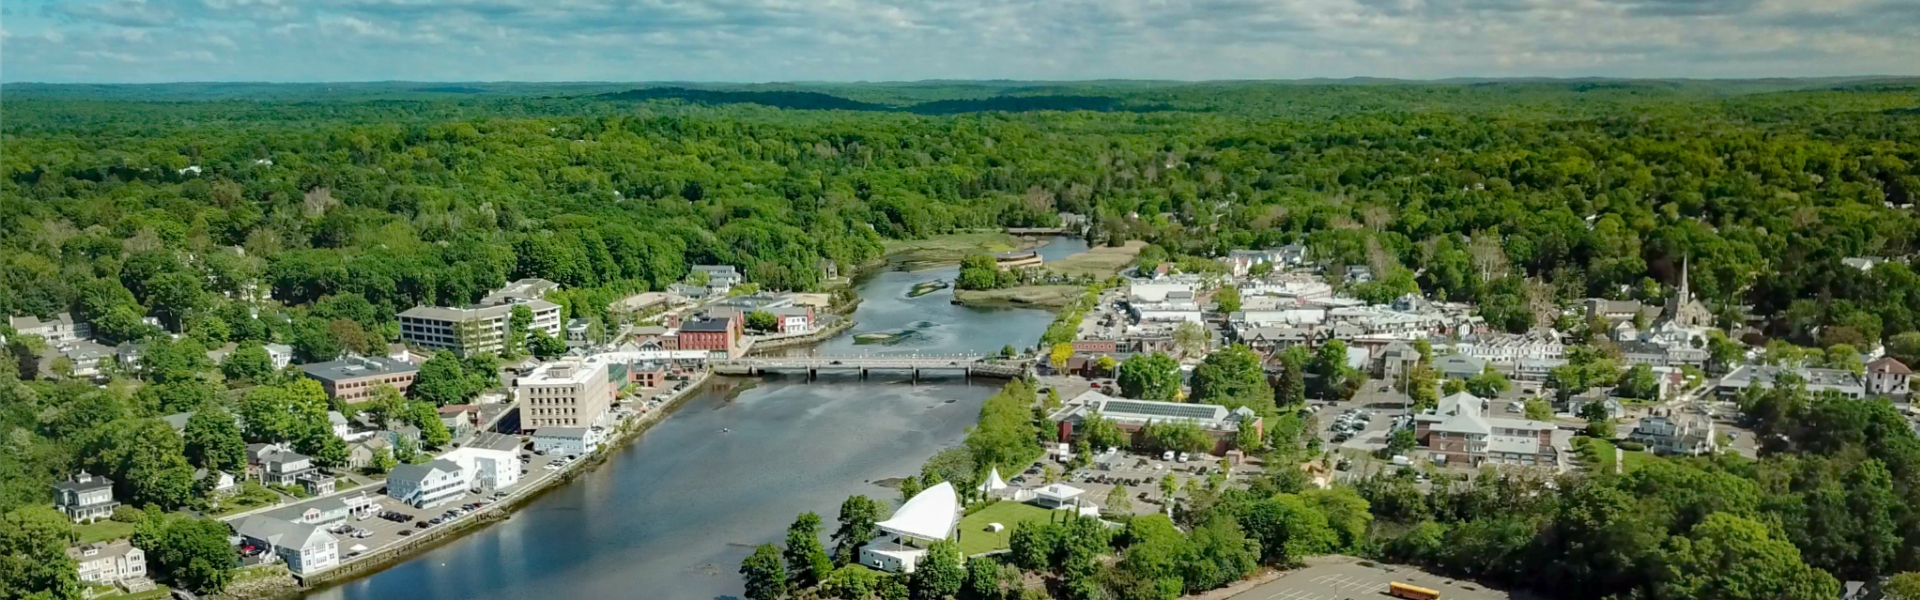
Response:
column 969, row 365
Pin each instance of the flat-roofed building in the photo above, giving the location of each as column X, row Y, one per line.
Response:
column 476, row 330
column 572, row 392
column 1132, row 416
column 721, row 335
column 353, row 379
column 523, row 290
column 1838, row 381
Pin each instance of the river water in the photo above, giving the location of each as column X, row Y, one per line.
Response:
column 670, row 516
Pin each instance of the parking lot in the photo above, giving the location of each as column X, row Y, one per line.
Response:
column 1139, row 472
column 1344, row 578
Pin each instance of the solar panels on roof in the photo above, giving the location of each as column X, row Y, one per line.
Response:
column 1163, row 409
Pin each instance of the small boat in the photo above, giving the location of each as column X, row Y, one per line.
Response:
column 726, row 430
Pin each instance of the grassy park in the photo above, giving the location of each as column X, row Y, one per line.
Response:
column 974, row 537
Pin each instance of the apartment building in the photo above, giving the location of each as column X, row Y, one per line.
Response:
column 426, row 485
column 474, row 330
column 567, row 393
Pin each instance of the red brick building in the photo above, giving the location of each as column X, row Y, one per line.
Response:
column 713, row 335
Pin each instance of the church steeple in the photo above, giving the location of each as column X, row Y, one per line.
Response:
column 1685, row 296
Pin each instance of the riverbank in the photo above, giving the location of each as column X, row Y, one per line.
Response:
column 840, row 324
column 1097, row 263
column 383, row 558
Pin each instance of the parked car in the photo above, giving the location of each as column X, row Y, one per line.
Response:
column 406, row 532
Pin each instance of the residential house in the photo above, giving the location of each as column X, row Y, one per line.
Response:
column 1667, row 434
column 85, row 497
column 1359, row 273
column 85, row 357
column 223, row 481
column 305, row 548
column 1887, row 376
column 113, row 563
column 360, row 454
column 62, row 328
column 460, row 419
column 1395, row 360
column 354, row 379
column 128, row 355
column 794, row 320
column 279, row 466
column 429, row 484
column 1461, row 431
column 721, row 276
column 280, row 354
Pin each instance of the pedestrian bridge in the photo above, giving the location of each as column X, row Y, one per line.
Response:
column 968, row 365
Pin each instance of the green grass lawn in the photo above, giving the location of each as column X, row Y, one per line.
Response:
column 101, row 531
column 1595, row 453
column 1635, row 458
column 974, row 537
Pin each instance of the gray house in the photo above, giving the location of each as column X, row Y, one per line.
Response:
column 85, row 497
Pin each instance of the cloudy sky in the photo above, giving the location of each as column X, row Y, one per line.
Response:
column 846, row 40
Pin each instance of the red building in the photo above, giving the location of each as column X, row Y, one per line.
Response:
column 714, row 335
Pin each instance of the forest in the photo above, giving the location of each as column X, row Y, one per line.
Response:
column 239, row 214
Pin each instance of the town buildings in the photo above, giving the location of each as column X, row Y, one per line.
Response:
column 354, row 379
column 1461, row 431
column 427, row 484
column 85, row 497
column 572, row 392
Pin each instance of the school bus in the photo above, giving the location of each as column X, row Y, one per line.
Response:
column 1410, row 592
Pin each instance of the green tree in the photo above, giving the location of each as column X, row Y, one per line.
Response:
column 807, row 562
column 1098, row 431
column 33, row 558
column 1905, row 586
column 1228, row 299
column 518, row 321
column 1191, row 339
column 766, row 578
column 187, row 552
column 248, row 363
column 1539, row 409
column 1153, row 376
column 857, row 517
column 1117, row 501
column 1290, row 391
column 546, row 347
column 760, row 320
column 1334, row 378
column 442, row 380
column 852, row 581
column 1059, row 355
column 1233, row 378
column 1599, row 423
column 213, row 440
column 1639, row 382
column 979, row 272
column 1489, row 383
column 382, row 461
column 1218, row 553
column 1735, row 558
column 938, row 574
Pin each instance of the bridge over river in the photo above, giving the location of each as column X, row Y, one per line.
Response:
column 967, row 365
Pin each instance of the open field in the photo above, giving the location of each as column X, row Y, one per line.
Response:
column 948, row 248
column 1101, row 262
column 974, row 537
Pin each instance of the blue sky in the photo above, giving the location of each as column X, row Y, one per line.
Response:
column 852, row 40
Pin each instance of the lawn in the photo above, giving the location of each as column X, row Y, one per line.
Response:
column 1596, row 453
column 1100, row 262
column 103, row 530
column 1634, row 459
column 974, row 537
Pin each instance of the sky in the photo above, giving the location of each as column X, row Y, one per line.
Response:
column 145, row 41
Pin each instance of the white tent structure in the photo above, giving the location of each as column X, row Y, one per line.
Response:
column 929, row 516
column 1058, row 495
column 994, row 483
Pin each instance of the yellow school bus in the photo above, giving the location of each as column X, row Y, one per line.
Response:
column 1410, row 592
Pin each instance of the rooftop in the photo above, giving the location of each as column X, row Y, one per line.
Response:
column 442, row 313
column 565, row 372
column 929, row 515
column 357, row 367
column 718, row 324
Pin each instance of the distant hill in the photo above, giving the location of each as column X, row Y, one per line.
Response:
column 802, row 100
column 781, row 99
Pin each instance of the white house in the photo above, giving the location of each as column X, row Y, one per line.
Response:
column 928, row 517
column 280, row 354
column 306, row 548
column 489, row 462
column 426, row 485
column 1887, row 376
column 111, row 563
column 61, row 329
column 566, row 441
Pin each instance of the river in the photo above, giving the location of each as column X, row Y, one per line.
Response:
column 670, row 516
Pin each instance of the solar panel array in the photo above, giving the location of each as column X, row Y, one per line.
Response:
column 1156, row 409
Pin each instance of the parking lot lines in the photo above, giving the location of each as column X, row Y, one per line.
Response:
column 1351, row 583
